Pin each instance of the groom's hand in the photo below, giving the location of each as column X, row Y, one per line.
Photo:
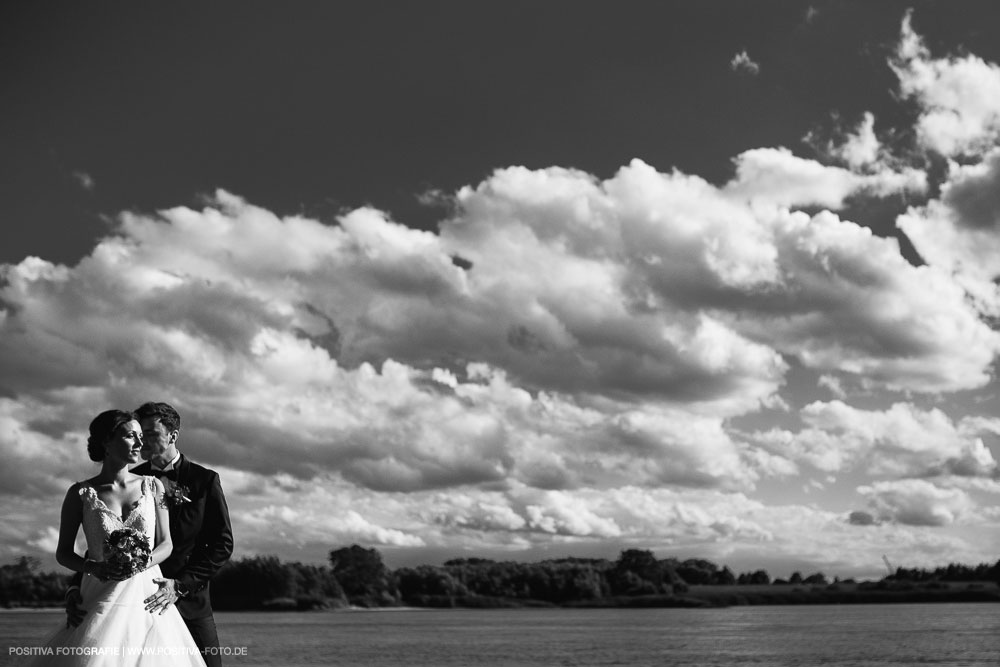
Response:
column 74, row 612
column 161, row 600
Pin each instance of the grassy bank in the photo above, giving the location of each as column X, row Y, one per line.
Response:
column 847, row 593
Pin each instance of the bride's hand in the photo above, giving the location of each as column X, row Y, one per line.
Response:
column 104, row 570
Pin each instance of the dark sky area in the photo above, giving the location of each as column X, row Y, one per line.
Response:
column 313, row 107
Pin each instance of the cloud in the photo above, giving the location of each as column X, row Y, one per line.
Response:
column 858, row 518
column 765, row 274
column 902, row 441
column 834, row 384
column 41, row 443
column 603, row 334
column 776, row 176
column 84, row 180
column 47, row 540
column 959, row 98
column 959, row 106
column 960, row 231
column 878, row 333
column 573, row 379
column 436, row 198
column 862, row 147
column 917, row 502
column 280, row 510
column 859, row 149
column 626, row 513
column 741, row 63
column 970, row 193
column 290, row 516
column 637, row 297
column 318, row 526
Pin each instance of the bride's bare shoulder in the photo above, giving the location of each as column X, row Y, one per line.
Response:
column 76, row 487
column 73, row 499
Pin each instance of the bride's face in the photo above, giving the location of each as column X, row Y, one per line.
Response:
column 125, row 444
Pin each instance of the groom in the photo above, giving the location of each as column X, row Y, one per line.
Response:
column 199, row 528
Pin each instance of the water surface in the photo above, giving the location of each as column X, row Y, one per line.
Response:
column 903, row 635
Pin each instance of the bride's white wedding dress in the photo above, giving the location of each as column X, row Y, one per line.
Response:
column 117, row 629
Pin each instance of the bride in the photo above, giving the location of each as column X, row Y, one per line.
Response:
column 117, row 629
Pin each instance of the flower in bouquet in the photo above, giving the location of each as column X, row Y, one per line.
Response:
column 129, row 549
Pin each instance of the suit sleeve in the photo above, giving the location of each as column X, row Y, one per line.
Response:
column 215, row 540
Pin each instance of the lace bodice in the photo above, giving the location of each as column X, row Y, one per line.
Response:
column 99, row 521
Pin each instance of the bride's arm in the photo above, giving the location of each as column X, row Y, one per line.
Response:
column 162, row 544
column 69, row 525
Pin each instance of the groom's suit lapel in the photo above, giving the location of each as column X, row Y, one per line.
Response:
column 183, row 469
column 185, row 474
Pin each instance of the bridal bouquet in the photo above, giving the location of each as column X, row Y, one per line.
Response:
column 128, row 548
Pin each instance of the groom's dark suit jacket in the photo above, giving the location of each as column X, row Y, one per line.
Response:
column 201, row 532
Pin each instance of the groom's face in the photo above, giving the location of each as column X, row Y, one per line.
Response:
column 157, row 441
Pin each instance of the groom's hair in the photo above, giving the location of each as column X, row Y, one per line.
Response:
column 162, row 411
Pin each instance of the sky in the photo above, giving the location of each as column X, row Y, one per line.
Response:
column 515, row 280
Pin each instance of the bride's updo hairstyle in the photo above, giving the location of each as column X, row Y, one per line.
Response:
column 101, row 430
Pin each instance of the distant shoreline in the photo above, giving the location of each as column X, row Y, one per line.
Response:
column 699, row 597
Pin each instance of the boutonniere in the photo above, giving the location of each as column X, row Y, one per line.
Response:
column 174, row 494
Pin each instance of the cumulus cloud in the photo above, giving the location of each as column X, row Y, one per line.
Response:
column 602, row 336
column 959, row 104
column 960, row 231
column 621, row 288
column 917, row 502
column 626, row 514
column 697, row 251
column 970, row 194
column 876, row 334
column 959, row 97
column 742, row 63
column 861, row 147
column 327, row 511
column 859, row 518
column 901, row 441
column 778, row 177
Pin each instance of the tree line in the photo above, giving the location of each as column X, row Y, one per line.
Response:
column 951, row 572
column 356, row 576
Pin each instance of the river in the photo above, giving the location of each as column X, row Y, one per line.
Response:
column 905, row 635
